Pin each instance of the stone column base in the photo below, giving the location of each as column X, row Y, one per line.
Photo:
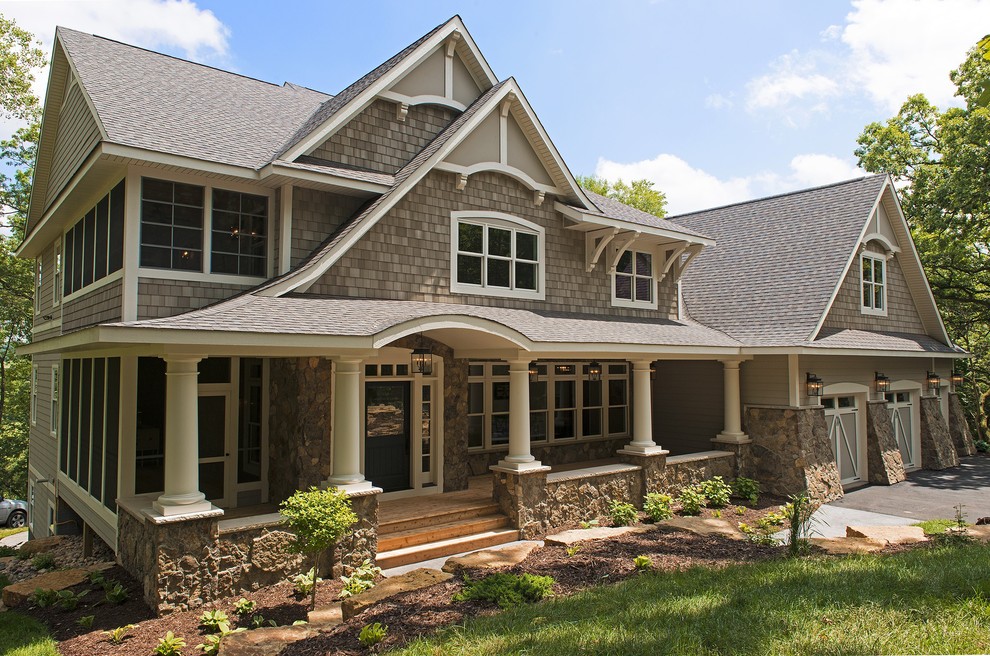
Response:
column 937, row 449
column 883, row 458
column 362, row 542
column 520, row 494
column 653, row 466
column 743, row 465
column 962, row 438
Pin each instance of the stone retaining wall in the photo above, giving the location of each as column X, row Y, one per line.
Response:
column 962, row 438
column 937, row 448
column 883, row 458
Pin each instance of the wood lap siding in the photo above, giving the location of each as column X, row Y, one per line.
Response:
column 406, row 255
column 42, row 451
column 763, row 381
column 687, row 405
column 78, row 133
column 98, row 306
column 166, row 298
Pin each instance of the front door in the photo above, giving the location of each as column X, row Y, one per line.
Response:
column 842, row 417
column 387, row 439
column 214, row 447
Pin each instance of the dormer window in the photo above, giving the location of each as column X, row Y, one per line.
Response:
column 632, row 282
column 495, row 254
column 874, row 283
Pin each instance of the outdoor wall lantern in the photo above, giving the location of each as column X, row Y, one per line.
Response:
column 422, row 361
column 653, row 371
column 534, row 372
column 815, row 386
column 934, row 382
column 594, row 370
column 883, row 383
column 957, row 379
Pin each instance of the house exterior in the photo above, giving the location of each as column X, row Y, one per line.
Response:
column 245, row 289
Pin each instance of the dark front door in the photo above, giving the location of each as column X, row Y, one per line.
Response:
column 386, row 444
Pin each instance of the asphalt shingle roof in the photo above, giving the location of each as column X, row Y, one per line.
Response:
column 777, row 260
column 884, row 341
column 148, row 100
column 613, row 209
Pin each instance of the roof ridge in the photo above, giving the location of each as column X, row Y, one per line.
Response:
column 61, row 28
column 780, row 195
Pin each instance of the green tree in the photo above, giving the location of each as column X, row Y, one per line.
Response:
column 319, row 518
column 639, row 194
column 20, row 57
column 941, row 160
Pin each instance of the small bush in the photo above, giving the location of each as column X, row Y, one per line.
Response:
column 170, row 645
column 96, row 578
column 114, row 593
column 44, row 598
column 799, row 512
column 372, row 634
column 6, row 551
column 746, row 488
column 43, row 561
column 643, row 563
column 591, row 524
column 361, row 579
column 657, row 506
column 622, row 514
column 215, row 621
column 117, row 636
column 692, row 500
column 211, row 644
column 572, row 550
column 760, row 534
column 936, row 526
column 740, row 510
column 259, row 621
column 304, row 583
column 244, row 607
column 86, row 622
column 982, row 446
column 507, row 590
column 717, row 491
column 68, row 600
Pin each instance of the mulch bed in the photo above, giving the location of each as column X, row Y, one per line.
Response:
column 409, row 615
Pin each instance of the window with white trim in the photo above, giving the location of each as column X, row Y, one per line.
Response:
column 497, row 256
column 632, row 282
column 57, row 275
column 54, row 402
column 564, row 405
column 874, row 283
column 34, row 395
column 37, row 285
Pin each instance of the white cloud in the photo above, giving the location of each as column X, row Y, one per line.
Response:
column 793, row 78
column 689, row 188
column 718, row 101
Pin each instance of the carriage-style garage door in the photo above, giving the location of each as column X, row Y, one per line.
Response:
column 842, row 418
column 902, row 419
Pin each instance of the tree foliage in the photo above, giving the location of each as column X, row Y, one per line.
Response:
column 639, row 193
column 941, row 161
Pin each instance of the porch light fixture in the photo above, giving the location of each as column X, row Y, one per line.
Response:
column 594, row 370
column 934, row 382
column 653, row 371
column 957, row 379
column 422, row 361
column 534, row 372
column 815, row 386
column 883, row 382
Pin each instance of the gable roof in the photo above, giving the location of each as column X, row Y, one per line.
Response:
column 778, row 261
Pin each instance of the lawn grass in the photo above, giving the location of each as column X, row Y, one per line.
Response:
column 23, row 636
column 937, row 526
column 4, row 532
column 927, row 600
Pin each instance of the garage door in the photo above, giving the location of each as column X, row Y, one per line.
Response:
column 902, row 418
column 842, row 418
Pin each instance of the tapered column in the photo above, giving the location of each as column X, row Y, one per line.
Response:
column 182, row 495
column 519, row 457
column 732, row 423
column 346, row 436
column 642, row 412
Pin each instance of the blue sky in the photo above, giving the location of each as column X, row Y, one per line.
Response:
column 714, row 101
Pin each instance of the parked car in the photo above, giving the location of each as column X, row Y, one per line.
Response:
column 13, row 512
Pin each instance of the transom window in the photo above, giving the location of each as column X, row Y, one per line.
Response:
column 564, row 404
column 633, row 280
column 874, row 269
column 496, row 256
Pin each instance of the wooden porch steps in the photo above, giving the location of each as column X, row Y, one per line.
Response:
column 448, row 547
column 439, row 532
column 428, row 516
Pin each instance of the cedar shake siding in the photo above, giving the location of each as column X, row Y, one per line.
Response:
column 166, row 298
column 101, row 305
column 406, row 255
column 315, row 216
column 377, row 140
column 902, row 315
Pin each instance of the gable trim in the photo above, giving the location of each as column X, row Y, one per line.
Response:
column 422, row 100
column 498, row 167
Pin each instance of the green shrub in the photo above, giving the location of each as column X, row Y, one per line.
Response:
column 259, row 621
column 717, row 491
column 692, row 500
column 114, row 593
column 643, row 563
column 305, row 584
column 86, row 621
column 361, row 579
column 589, row 524
column 44, row 598
column 170, row 645
column 740, row 510
column 211, row 644
column 761, row 534
column 215, row 621
column 657, row 506
column 572, row 550
column 507, row 590
column 244, row 607
column 68, row 600
column 746, row 488
column 43, row 561
column 982, row 446
column 96, row 578
column 6, row 551
column 622, row 514
column 372, row 634
column 798, row 512
column 117, row 636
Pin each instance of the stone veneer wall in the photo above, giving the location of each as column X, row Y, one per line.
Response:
column 563, row 453
column 791, row 452
column 883, row 458
column 299, row 425
column 962, row 438
column 937, row 448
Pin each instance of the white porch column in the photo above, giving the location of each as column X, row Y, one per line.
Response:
column 519, row 457
column 346, row 436
column 642, row 443
column 732, row 432
column 182, row 495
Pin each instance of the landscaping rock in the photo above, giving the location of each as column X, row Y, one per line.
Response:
column 331, row 615
column 39, row 545
column 267, row 641
column 568, row 538
column 18, row 593
column 414, row 580
column 491, row 558
column 888, row 534
column 981, row 533
column 705, row 526
column 844, row 546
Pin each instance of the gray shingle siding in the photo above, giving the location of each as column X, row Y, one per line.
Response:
column 166, row 298
column 315, row 216
column 98, row 306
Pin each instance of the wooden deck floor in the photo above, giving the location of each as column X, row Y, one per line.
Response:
column 479, row 493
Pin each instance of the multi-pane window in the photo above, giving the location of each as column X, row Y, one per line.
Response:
column 564, row 403
column 633, row 279
column 874, row 287
column 37, row 285
column 94, row 246
column 171, row 225
column 497, row 257
column 53, row 417
column 239, row 233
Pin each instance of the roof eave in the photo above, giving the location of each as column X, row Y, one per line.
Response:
column 579, row 216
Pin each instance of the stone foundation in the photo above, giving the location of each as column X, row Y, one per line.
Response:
column 745, row 465
column 561, row 454
column 791, row 452
column 883, row 459
column 962, row 438
column 937, row 448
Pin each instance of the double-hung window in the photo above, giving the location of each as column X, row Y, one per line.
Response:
column 496, row 254
column 633, row 284
column 874, row 284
